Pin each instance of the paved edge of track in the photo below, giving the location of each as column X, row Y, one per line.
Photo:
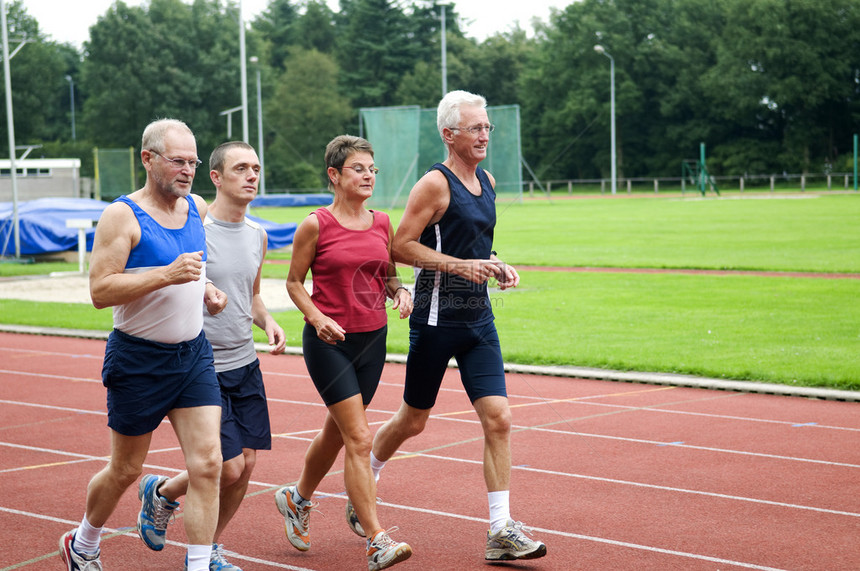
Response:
column 671, row 379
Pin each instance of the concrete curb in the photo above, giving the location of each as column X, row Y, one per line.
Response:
column 669, row 379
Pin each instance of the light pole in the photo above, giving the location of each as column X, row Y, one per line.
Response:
column 444, row 54
column 256, row 61
column 599, row 49
column 72, row 104
column 244, row 73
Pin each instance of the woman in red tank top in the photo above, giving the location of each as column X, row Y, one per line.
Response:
column 347, row 247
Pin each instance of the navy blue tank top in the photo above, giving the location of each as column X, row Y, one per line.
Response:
column 465, row 231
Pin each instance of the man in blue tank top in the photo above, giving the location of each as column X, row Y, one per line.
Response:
column 149, row 264
column 446, row 233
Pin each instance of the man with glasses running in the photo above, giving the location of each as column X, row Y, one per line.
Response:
column 446, row 233
column 149, row 264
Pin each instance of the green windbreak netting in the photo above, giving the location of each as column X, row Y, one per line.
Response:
column 406, row 143
column 114, row 172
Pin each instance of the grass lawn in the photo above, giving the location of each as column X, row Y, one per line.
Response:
column 801, row 331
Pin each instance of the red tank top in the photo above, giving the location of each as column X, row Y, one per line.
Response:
column 349, row 272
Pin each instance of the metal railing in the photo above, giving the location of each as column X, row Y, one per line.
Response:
column 772, row 182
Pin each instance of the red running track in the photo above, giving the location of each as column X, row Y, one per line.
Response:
column 609, row 475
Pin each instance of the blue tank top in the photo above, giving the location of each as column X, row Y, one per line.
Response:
column 159, row 246
column 465, row 231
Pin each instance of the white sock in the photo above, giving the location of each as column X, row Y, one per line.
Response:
column 87, row 538
column 376, row 465
column 198, row 557
column 500, row 509
column 298, row 499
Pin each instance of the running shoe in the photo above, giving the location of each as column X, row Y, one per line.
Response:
column 352, row 520
column 383, row 552
column 296, row 519
column 511, row 542
column 217, row 561
column 155, row 512
column 76, row 561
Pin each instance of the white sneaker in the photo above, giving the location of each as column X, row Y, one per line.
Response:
column 296, row 519
column 511, row 542
column 383, row 552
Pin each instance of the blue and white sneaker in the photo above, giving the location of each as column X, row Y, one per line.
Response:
column 77, row 561
column 155, row 512
column 217, row 561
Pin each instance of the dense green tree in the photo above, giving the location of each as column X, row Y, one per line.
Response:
column 278, row 26
column 768, row 85
column 316, row 27
column 169, row 59
column 780, row 70
column 306, row 112
column 39, row 87
column 374, row 50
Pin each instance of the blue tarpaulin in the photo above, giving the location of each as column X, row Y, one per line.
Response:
column 321, row 199
column 42, row 226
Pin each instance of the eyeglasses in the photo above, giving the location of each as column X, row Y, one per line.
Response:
column 476, row 129
column 180, row 163
column 361, row 169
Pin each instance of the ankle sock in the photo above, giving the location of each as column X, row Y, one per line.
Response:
column 298, row 499
column 376, row 465
column 198, row 557
column 87, row 538
column 500, row 509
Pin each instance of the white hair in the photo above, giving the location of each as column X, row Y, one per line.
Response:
column 448, row 112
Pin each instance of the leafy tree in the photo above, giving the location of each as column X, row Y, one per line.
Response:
column 39, row 87
column 316, row 27
column 170, row 60
column 375, row 50
column 278, row 25
column 306, row 112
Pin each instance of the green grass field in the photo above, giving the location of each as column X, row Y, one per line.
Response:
column 790, row 330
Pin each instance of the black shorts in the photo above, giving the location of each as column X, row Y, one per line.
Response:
column 476, row 350
column 352, row 366
column 244, row 412
column 145, row 380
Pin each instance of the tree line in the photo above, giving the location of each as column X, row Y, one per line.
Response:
column 769, row 85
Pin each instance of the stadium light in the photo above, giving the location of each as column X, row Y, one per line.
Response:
column 601, row 50
column 256, row 61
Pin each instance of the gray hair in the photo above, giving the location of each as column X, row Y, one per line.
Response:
column 448, row 112
column 153, row 135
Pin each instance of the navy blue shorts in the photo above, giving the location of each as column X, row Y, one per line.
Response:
column 478, row 355
column 244, row 412
column 145, row 380
column 352, row 366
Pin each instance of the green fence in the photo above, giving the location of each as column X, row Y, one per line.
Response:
column 406, row 143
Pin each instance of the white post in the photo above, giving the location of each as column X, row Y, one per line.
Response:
column 81, row 224
column 613, row 167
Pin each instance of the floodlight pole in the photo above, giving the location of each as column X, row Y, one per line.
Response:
column 72, row 104
column 601, row 50
column 10, row 127
column 256, row 61
column 243, row 72
column 444, row 55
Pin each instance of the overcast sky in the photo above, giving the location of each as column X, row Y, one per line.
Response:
column 69, row 21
